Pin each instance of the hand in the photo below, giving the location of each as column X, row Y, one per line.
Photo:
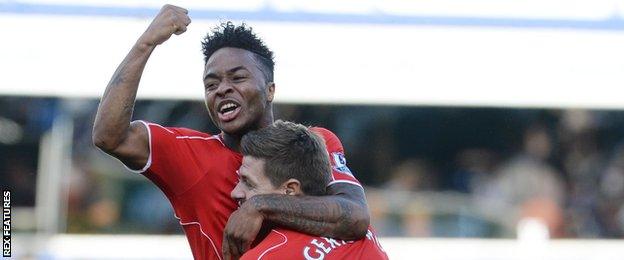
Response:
column 241, row 230
column 170, row 20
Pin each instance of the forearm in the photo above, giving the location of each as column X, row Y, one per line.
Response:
column 116, row 106
column 329, row 216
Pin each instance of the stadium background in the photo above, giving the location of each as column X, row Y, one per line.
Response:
column 482, row 129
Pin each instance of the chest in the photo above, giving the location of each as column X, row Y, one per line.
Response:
column 214, row 175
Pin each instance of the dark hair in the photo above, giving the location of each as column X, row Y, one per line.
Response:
column 229, row 35
column 290, row 150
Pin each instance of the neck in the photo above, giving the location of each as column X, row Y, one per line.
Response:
column 232, row 141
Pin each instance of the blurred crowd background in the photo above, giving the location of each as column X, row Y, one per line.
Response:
column 428, row 171
column 463, row 119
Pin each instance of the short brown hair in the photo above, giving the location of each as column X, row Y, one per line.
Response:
column 290, row 151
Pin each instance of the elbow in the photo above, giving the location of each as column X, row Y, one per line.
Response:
column 103, row 142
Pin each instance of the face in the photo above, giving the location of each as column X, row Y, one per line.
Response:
column 252, row 181
column 236, row 93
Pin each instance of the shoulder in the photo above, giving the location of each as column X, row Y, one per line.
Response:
column 331, row 140
column 273, row 245
column 324, row 132
column 291, row 235
column 175, row 131
column 187, row 132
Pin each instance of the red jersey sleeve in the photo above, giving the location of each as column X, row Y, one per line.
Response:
column 171, row 163
column 337, row 159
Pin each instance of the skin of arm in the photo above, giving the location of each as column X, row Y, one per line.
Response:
column 343, row 214
column 112, row 130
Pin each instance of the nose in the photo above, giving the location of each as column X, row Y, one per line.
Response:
column 224, row 88
column 237, row 193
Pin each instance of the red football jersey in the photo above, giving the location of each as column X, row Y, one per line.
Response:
column 288, row 244
column 197, row 172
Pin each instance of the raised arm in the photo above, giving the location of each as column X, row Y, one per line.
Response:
column 112, row 130
column 343, row 214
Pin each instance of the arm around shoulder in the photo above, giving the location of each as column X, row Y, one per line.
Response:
column 342, row 214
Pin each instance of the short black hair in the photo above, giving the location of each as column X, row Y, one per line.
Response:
column 239, row 36
column 290, row 150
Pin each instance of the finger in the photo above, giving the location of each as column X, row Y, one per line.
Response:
column 246, row 246
column 180, row 20
column 180, row 30
column 180, row 9
column 234, row 249
column 226, row 248
column 186, row 20
column 166, row 7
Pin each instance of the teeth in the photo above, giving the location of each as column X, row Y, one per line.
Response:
column 227, row 106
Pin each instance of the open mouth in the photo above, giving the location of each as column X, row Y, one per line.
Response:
column 228, row 110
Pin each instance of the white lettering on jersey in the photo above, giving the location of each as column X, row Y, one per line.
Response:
column 306, row 254
column 321, row 245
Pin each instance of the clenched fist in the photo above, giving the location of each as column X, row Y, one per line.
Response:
column 170, row 20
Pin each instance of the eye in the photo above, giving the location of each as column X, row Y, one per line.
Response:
column 245, row 182
column 248, row 184
column 211, row 86
column 239, row 79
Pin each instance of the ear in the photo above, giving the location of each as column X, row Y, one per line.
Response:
column 270, row 91
column 292, row 187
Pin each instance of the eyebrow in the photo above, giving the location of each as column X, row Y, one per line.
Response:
column 230, row 71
